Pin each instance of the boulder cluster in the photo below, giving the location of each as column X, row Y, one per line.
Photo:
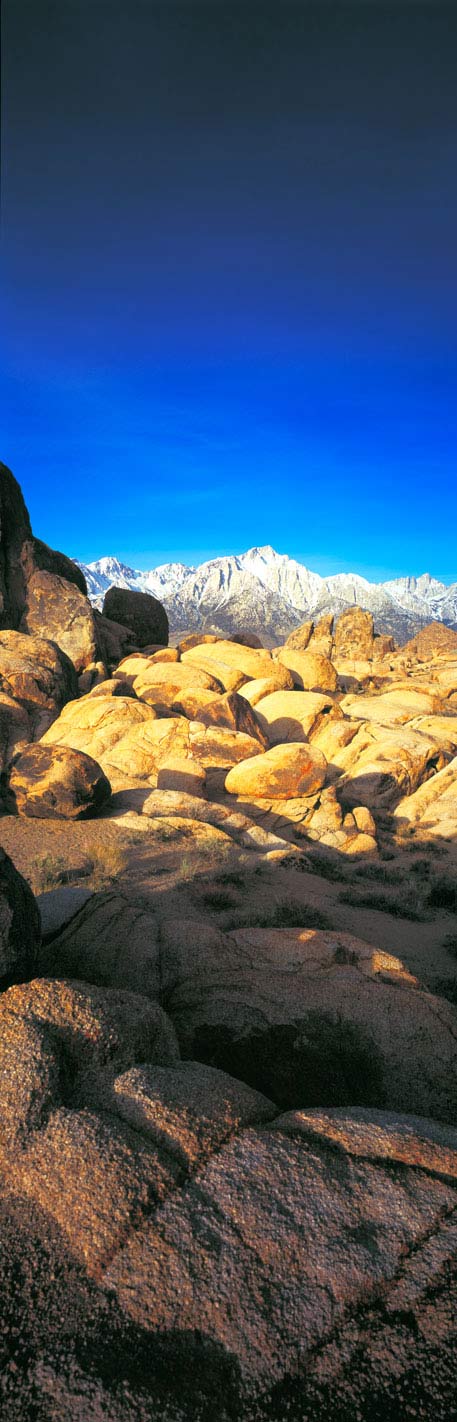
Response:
column 228, row 1155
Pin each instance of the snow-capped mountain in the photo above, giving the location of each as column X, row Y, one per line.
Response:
column 269, row 593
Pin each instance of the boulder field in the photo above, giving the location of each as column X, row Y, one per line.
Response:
column 228, row 1096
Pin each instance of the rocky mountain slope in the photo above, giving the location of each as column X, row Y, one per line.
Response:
column 270, row 594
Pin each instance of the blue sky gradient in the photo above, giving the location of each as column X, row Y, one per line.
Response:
column 230, row 304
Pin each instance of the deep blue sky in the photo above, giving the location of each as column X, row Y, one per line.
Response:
column 229, row 257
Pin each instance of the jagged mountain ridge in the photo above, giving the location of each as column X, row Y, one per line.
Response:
column 269, row 593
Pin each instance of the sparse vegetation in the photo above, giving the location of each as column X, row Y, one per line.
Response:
column 109, row 863
column 443, row 893
column 407, row 905
column 48, row 871
column 287, row 914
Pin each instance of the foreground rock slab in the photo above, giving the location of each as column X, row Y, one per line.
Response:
column 310, row 1017
column 267, row 1254
column 20, row 928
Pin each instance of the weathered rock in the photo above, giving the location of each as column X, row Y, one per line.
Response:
column 296, row 1251
column 190, row 1109
column 87, row 1169
column 433, row 641
column 57, row 907
column 433, row 804
column 354, row 634
column 15, row 531
column 39, row 557
column 280, row 680
column 189, row 701
column 96, row 1031
column 393, row 707
column 232, row 712
column 247, row 639
column 140, row 612
column 196, row 639
column 218, row 746
column 364, row 820
column 54, row 782
column 164, row 654
column 311, row 1017
column 310, row 671
column 19, row 924
column 294, row 715
column 113, row 686
column 111, row 942
column 300, row 637
column 359, row 844
column 164, row 676
column 187, row 776
column 58, row 609
column 284, row 770
column 114, row 640
column 381, row 763
column 123, row 735
column 216, row 658
column 38, row 679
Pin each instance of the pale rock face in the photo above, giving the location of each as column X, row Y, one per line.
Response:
column 248, row 660
column 392, row 707
column 310, row 670
column 294, row 715
column 284, row 770
column 281, row 680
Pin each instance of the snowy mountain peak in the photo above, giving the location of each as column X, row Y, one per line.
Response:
column 269, row 593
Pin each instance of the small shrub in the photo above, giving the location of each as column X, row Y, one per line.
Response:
column 287, row 914
column 443, row 894
column 218, row 899
column 326, row 867
column 378, row 874
column 47, row 871
column 408, row 905
column 109, row 863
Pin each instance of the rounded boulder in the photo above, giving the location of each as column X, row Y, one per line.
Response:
column 55, row 782
column 140, row 612
column 283, row 771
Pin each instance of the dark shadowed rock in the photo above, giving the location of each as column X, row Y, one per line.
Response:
column 140, row 612
column 275, row 1263
column 110, row 941
column 15, row 530
column 42, row 559
column 310, row 1017
column 19, row 924
column 115, row 641
column 55, row 782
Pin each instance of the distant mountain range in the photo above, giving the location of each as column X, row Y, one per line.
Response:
column 268, row 593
